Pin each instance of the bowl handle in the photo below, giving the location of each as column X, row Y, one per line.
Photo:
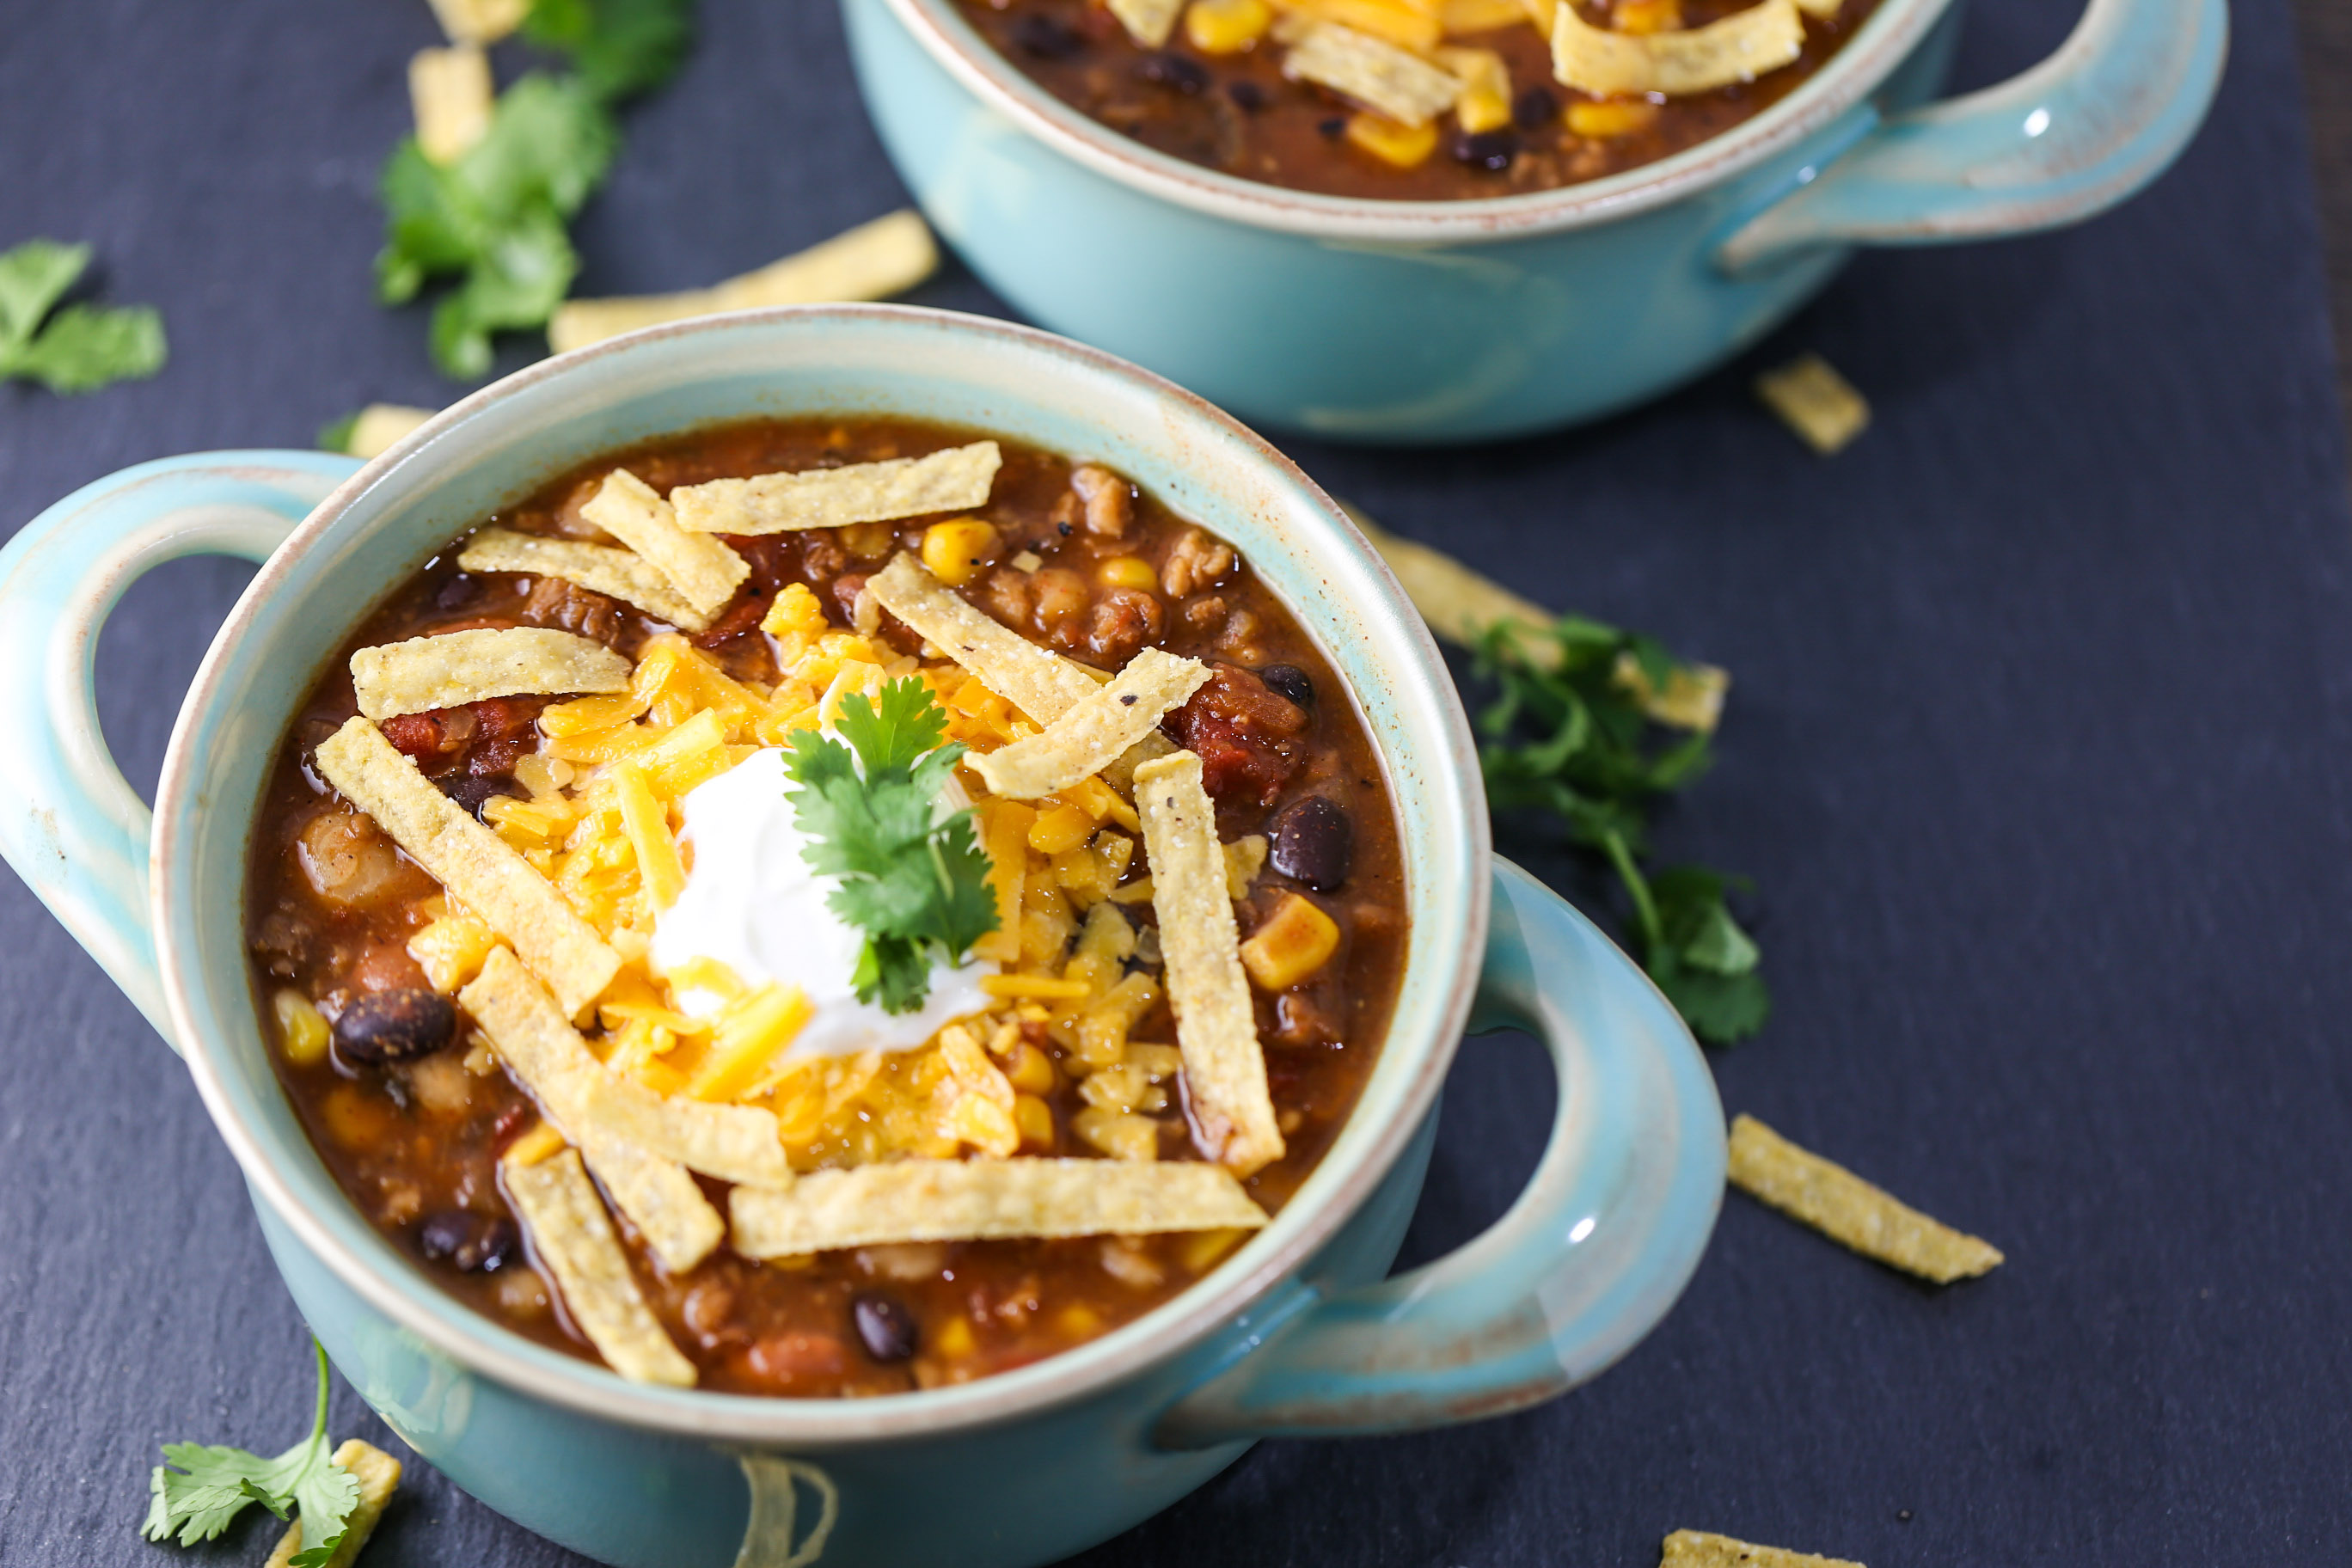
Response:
column 1584, row 1264
column 2071, row 137
column 69, row 823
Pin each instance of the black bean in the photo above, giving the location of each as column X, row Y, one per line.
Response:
column 1332, row 127
column 1046, row 38
column 473, row 794
column 396, row 1026
column 1246, row 95
column 884, row 1325
column 475, row 1243
column 1290, row 683
column 1189, row 77
column 457, row 592
column 1489, row 150
column 1312, row 838
column 1535, row 109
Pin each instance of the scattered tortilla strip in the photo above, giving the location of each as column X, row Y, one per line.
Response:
column 457, row 667
column 474, row 864
column 589, row 1101
column 703, row 571
column 1148, row 22
column 1817, row 402
column 873, row 261
column 1849, row 1210
column 953, row 481
column 599, row 568
column 557, row 1206
column 479, row 21
column 1740, row 47
column 1030, row 677
column 1379, row 76
column 380, row 427
column 1821, row 10
column 1225, row 1070
column 378, row 1475
column 450, row 93
column 973, row 1199
column 1696, row 1549
column 1092, row 733
column 1460, row 605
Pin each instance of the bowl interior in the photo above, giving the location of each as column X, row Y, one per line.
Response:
column 502, row 443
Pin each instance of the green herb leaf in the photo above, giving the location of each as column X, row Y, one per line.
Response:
column 336, row 435
column 200, row 1487
column 913, row 879
column 620, row 48
column 83, row 347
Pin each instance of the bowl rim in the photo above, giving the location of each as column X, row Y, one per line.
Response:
column 1230, row 1292
column 1881, row 43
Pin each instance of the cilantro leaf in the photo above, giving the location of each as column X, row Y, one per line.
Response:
column 620, row 48
column 83, row 347
column 915, row 881
column 200, row 1488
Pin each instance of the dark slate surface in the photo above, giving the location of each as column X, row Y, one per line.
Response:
column 2036, row 753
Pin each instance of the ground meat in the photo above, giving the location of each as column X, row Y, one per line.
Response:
column 1121, row 622
column 1246, row 736
column 740, row 619
column 1110, row 499
column 1195, row 561
column 1061, row 597
column 568, row 606
column 1006, row 595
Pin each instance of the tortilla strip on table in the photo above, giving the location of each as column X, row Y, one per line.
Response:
column 378, row 1475
column 1697, row 1549
column 952, row 480
column 1095, row 730
column 587, row 1098
column 456, row 667
column 1740, row 47
column 559, row 1207
column 452, row 98
column 1216, row 1026
column 972, row 1200
column 1849, row 1210
column 705, row 572
column 1395, row 82
column 600, row 568
column 476, row 865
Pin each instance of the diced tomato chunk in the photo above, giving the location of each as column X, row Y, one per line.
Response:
column 1244, row 735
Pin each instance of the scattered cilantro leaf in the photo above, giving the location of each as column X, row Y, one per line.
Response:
column 83, row 347
column 913, row 879
column 621, row 48
column 1566, row 735
column 335, row 436
column 211, row 1484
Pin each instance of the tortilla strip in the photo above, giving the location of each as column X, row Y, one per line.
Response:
column 1849, row 1210
column 1038, row 682
column 1740, row 47
column 449, row 93
column 599, row 568
column 872, row 261
column 479, row 21
column 557, row 1206
column 1148, row 22
column 955, row 480
column 1225, row 1070
column 705, row 572
column 1815, row 402
column 1696, row 1549
column 589, row 1101
column 378, row 1475
column 380, row 427
column 972, row 1200
column 1095, row 730
column 1379, row 76
column 457, row 667
column 474, row 864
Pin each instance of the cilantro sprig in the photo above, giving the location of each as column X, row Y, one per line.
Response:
column 1568, row 733
column 212, row 1485
column 83, row 347
column 913, row 879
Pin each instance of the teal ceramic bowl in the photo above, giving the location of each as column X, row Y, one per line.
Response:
column 1454, row 320
column 1298, row 1332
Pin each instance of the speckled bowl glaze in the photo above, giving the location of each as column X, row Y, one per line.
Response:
column 1391, row 322
column 1298, row 1332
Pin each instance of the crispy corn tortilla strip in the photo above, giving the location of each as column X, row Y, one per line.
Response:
column 457, row 667
column 380, row 427
column 600, row 568
column 378, row 1475
column 660, row 1198
column 1697, row 1549
column 589, row 1101
column 474, row 864
column 559, row 1207
column 1093, row 733
column 956, row 479
column 1740, row 47
column 1148, row 22
column 479, row 21
column 1033, row 680
column 1849, row 1210
column 704, row 571
column 1379, row 76
column 449, row 92
column 1225, row 1069
column 1815, row 402
column 872, row 261
column 973, row 1199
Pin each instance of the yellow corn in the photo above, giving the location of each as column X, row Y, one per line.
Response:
column 1226, row 27
column 1078, row 1321
column 1296, row 941
column 1405, row 146
column 1117, row 1133
column 535, row 1145
column 1460, row 16
column 795, row 613
column 1486, row 100
column 1061, row 829
column 1639, row 16
column 1126, row 572
column 1034, row 1120
column 1031, row 1070
column 1612, row 118
column 1102, row 1027
column 1197, row 1251
column 954, row 1342
column 1041, row 986
column 869, row 540
column 302, row 1028
column 451, row 950
column 956, row 552
column 1102, row 803
column 1405, row 26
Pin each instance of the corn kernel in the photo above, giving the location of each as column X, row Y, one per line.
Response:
column 1460, row 16
column 1405, row 146
column 450, row 951
column 1226, row 27
column 1117, row 1134
column 1197, row 1251
column 535, row 1145
column 1033, row 1116
column 1031, row 1070
column 1612, row 118
column 1486, row 100
column 1641, row 16
column 1060, row 830
column 956, row 551
column 1126, row 572
column 955, row 1340
column 1296, row 941
column 1078, row 1321
column 869, row 540
column 301, row 1029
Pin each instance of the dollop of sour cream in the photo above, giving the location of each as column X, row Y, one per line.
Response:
column 754, row 904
